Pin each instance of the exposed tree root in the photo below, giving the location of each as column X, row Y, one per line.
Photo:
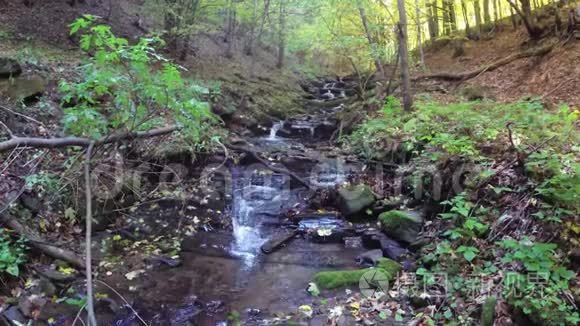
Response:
column 38, row 243
column 499, row 63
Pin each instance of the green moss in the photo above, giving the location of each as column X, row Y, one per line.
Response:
column 337, row 279
column 403, row 226
column 488, row 312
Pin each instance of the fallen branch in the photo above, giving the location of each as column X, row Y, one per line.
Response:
column 486, row 68
column 35, row 142
column 38, row 243
column 268, row 165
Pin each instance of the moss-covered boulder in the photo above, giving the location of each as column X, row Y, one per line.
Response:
column 337, row 279
column 353, row 200
column 488, row 312
column 402, row 225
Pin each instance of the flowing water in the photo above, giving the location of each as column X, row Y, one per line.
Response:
column 229, row 267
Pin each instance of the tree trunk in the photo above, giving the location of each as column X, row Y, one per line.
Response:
column 527, row 18
column 282, row 34
column 465, row 18
column 370, row 39
column 434, row 21
column 495, row 12
column 452, row 16
column 477, row 9
column 230, row 29
column 486, row 16
column 419, row 32
column 404, row 53
column 446, row 18
column 249, row 48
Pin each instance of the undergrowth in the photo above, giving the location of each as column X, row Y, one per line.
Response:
column 516, row 221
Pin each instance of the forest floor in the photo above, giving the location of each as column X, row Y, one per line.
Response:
column 554, row 77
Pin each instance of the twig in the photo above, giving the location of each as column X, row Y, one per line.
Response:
column 21, row 115
column 89, row 224
column 79, row 315
column 10, row 134
column 124, row 300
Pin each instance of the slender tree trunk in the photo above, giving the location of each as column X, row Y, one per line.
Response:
column 495, row 13
column 486, row 15
column 513, row 18
column 465, row 18
column 446, row 18
column 404, row 53
column 433, row 20
column 249, row 48
column 419, row 32
column 282, row 34
column 477, row 10
column 452, row 16
column 370, row 39
column 230, row 29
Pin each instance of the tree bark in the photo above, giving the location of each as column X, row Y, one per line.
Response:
column 486, row 16
column 419, row 32
column 477, row 10
column 527, row 18
column 370, row 39
column 465, row 18
column 404, row 56
column 281, row 34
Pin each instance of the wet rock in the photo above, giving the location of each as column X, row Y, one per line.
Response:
column 31, row 305
column 353, row 242
column 47, row 287
column 14, row 316
column 186, row 314
column 163, row 260
column 353, row 200
column 374, row 239
column 23, row 88
column 278, row 241
column 370, row 258
column 30, row 201
column 9, row 68
column 402, row 225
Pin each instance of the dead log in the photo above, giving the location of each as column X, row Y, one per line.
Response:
column 38, row 243
column 268, row 165
column 35, row 142
column 536, row 52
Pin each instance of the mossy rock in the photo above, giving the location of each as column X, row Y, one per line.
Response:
column 337, row 279
column 352, row 200
column 488, row 312
column 23, row 88
column 402, row 225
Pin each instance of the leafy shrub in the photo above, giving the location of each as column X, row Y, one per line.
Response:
column 12, row 254
column 130, row 88
column 539, row 287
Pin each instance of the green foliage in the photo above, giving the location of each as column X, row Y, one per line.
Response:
column 466, row 217
column 43, row 182
column 131, row 87
column 539, row 290
column 12, row 254
column 459, row 129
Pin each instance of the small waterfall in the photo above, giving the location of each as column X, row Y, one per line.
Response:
column 274, row 130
